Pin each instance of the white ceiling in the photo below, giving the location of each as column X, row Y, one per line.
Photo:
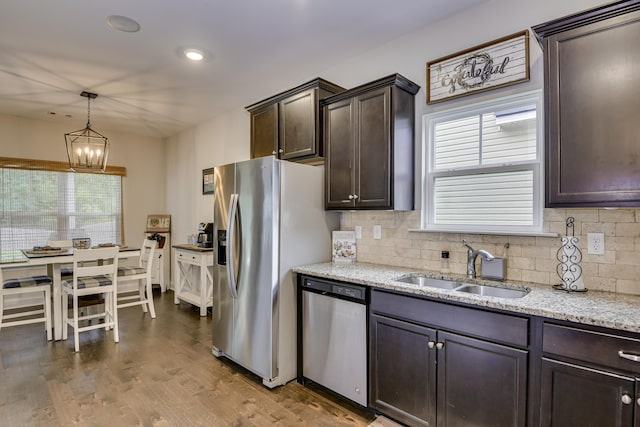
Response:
column 51, row 50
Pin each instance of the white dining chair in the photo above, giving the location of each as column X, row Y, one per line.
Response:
column 38, row 286
column 66, row 270
column 95, row 271
column 142, row 275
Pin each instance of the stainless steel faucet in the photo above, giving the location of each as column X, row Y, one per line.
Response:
column 472, row 254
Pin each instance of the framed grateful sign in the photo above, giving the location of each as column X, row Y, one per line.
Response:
column 498, row 63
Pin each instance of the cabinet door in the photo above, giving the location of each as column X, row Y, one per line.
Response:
column 576, row 396
column 636, row 422
column 298, row 126
column 264, row 131
column 339, row 140
column 480, row 384
column 373, row 145
column 593, row 155
column 402, row 371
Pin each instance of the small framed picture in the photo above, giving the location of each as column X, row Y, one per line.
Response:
column 207, row 181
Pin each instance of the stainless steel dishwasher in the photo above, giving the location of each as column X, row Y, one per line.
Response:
column 334, row 337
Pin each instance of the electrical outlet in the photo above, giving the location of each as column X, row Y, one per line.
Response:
column 595, row 243
column 377, row 232
column 358, row 232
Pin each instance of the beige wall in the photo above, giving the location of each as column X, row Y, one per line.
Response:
column 222, row 140
column 143, row 188
column 530, row 259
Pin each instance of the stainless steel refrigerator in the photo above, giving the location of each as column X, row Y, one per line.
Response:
column 268, row 217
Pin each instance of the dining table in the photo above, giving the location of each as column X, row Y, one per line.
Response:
column 54, row 260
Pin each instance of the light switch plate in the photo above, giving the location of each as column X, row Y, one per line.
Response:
column 358, row 232
column 595, row 243
column 377, row 232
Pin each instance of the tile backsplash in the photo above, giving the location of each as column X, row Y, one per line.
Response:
column 530, row 259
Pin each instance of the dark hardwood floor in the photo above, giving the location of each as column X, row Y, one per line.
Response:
column 161, row 373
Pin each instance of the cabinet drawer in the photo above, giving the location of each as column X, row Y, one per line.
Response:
column 590, row 346
column 188, row 258
column 478, row 323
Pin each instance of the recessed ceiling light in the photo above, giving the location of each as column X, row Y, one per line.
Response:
column 194, row 54
column 122, row 23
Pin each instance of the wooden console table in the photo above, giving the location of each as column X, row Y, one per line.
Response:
column 194, row 276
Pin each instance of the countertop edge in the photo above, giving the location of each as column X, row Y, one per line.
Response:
column 595, row 308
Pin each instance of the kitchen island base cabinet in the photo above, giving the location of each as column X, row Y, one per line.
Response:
column 194, row 277
column 423, row 372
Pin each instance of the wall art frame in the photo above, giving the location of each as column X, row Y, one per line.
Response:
column 207, row 181
column 498, row 63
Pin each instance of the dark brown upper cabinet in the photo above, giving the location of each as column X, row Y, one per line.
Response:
column 287, row 125
column 592, row 121
column 369, row 143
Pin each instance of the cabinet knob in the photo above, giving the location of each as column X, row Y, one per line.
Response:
column 626, row 399
column 439, row 345
column 638, row 401
column 273, row 152
column 350, row 196
column 431, row 344
column 281, row 151
column 355, row 196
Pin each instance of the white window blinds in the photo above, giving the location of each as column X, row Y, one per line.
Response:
column 41, row 205
column 483, row 167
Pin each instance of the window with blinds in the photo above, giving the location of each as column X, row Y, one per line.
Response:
column 482, row 167
column 40, row 205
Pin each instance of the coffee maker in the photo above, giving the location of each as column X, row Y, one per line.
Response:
column 205, row 235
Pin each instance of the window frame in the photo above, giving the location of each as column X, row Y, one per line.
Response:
column 427, row 217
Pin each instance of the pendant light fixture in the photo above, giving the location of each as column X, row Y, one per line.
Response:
column 86, row 148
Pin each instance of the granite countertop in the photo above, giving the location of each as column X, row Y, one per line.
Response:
column 610, row 310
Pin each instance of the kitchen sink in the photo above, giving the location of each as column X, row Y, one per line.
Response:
column 428, row 281
column 492, row 291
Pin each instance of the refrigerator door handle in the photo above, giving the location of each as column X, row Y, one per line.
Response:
column 231, row 234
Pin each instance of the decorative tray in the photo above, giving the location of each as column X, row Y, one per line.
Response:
column 39, row 250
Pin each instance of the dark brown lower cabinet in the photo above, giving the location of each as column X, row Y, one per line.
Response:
column 426, row 377
column 589, row 377
column 480, row 383
column 403, row 368
column 577, row 396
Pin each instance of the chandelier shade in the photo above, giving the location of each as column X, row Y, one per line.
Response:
column 87, row 149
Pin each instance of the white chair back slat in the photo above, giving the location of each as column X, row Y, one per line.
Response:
column 147, row 253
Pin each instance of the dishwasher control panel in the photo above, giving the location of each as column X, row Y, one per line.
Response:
column 340, row 290
column 347, row 291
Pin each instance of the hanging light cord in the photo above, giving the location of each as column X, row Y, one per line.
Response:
column 88, row 112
